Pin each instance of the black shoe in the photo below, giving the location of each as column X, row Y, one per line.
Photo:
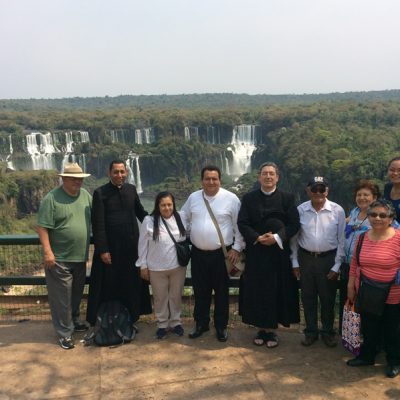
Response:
column 359, row 362
column 309, row 340
column 392, row 371
column 198, row 331
column 222, row 334
column 81, row 327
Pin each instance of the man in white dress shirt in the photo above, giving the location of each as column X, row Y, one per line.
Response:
column 317, row 253
column 208, row 264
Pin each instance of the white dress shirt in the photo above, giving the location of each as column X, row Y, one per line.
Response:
column 203, row 234
column 320, row 231
column 159, row 255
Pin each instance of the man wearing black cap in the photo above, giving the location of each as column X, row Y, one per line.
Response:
column 317, row 252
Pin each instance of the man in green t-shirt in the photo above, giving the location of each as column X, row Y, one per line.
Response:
column 64, row 232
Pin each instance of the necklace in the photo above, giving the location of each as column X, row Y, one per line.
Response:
column 358, row 225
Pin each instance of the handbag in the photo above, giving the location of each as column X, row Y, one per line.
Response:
column 372, row 295
column 183, row 251
column 351, row 329
column 234, row 270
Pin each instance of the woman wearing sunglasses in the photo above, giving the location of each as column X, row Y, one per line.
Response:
column 378, row 261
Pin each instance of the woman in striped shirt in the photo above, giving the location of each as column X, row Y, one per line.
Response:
column 379, row 260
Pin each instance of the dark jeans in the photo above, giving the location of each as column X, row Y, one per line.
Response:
column 208, row 274
column 387, row 325
column 315, row 284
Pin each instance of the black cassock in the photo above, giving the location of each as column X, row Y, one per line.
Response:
column 268, row 290
column 115, row 230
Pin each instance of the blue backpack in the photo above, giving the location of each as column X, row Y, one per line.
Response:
column 114, row 324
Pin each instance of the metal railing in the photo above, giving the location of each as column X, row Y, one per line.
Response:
column 23, row 292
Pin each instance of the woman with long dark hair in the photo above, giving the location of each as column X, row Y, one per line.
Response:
column 158, row 262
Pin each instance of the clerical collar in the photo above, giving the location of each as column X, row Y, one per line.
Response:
column 268, row 193
column 118, row 187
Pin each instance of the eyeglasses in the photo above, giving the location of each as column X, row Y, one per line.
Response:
column 318, row 189
column 380, row 215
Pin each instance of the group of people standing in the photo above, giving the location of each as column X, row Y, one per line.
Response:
column 311, row 243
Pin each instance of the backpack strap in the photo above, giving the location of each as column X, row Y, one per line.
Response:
column 359, row 245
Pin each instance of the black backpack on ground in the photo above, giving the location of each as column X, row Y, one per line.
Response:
column 114, row 324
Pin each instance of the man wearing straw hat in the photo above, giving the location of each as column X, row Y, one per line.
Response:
column 64, row 232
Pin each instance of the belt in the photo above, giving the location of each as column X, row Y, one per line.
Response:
column 212, row 251
column 317, row 254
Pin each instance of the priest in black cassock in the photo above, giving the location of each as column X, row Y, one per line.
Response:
column 267, row 219
column 114, row 275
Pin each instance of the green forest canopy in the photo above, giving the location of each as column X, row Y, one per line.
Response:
column 344, row 137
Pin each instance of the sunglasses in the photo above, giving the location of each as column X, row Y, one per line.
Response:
column 318, row 189
column 380, row 215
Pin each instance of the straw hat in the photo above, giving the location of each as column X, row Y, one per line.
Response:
column 73, row 170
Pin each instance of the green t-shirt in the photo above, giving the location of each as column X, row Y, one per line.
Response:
column 67, row 219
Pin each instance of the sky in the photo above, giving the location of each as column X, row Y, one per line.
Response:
column 85, row 48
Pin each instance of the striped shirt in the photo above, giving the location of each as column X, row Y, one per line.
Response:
column 379, row 260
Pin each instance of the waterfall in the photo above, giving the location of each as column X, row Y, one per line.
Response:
column 187, row 133
column 212, row 135
column 117, row 136
column 191, row 132
column 41, row 153
column 221, row 162
column 194, row 132
column 138, row 136
column 242, row 147
column 69, row 143
column 114, row 137
column 84, row 136
column 138, row 177
column 132, row 165
column 227, row 169
column 147, row 135
column 10, row 164
column 82, row 161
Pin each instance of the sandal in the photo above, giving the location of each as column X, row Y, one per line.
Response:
column 260, row 338
column 271, row 340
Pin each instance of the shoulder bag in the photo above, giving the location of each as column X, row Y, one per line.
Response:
column 372, row 295
column 234, row 270
column 183, row 251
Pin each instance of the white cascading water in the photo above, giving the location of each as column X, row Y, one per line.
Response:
column 10, row 164
column 84, row 136
column 221, row 162
column 69, row 149
column 41, row 153
column 194, row 132
column 132, row 164
column 117, row 136
column 138, row 136
column 138, row 177
column 227, row 169
column 191, row 132
column 242, row 146
column 147, row 135
column 213, row 136
column 187, row 133
column 69, row 143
